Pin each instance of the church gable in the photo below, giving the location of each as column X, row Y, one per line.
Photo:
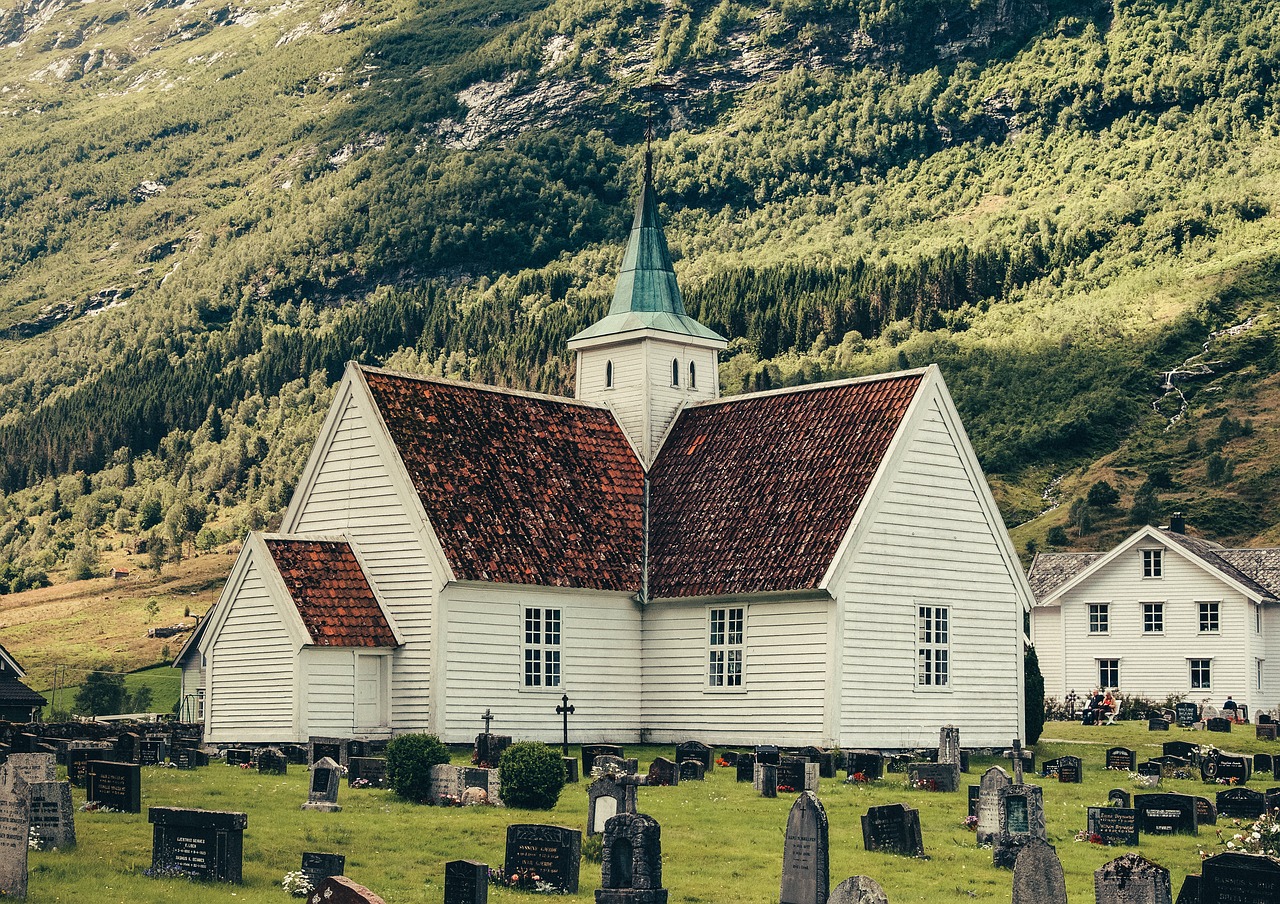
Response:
column 755, row 493
column 325, row 582
column 519, row 488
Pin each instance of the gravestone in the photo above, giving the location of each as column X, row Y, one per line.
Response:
column 341, row 890
column 1157, row 725
column 1021, row 814
column 151, row 753
column 238, row 756
column 1265, row 732
column 1069, row 770
column 114, row 785
column 606, row 798
column 591, row 751
column 1190, row 891
column 615, row 764
column 1132, row 879
column 570, row 769
column 631, row 861
column 488, row 752
column 993, row 781
column 1122, row 758
column 552, row 852
column 858, row 890
column 768, row 754
column 322, row 791
column 825, row 759
column 1183, row 750
column 127, row 747
column 204, row 844
column 34, row 767
column 1264, row 762
column 791, row 774
column 1166, row 814
column 1186, row 714
column 767, row 780
column 1219, row 724
column 974, row 792
column 1119, row 797
column 1232, row 878
column 78, row 755
column 15, row 830
column 53, row 816
column 1049, row 768
column 898, row 762
column 893, row 829
column 370, row 771
column 296, row 754
column 942, row 777
column 695, row 750
column 805, row 861
column 1037, row 874
column 1234, row 768
column 1241, row 803
column 272, row 761
column 745, row 768
column 1273, row 798
column 691, row 771
column 663, row 772
column 336, row 749
column 1206, row 812
column 949, row 745
column 189, row 757
column 1028, row 758
column 466, row 882
column 870, row 763
column 1114, row 825
column 1150, row 769
column 319, row 866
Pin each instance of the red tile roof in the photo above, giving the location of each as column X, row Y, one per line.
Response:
column 521, row 489
column 331, row 592
column 755, row 493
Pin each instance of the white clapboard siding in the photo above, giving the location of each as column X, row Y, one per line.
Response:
column 1046, row 636
column 192, row 683
column 665, row 399
column 329, row 692
column 1157, row 665
column 930, row 542
column 251, row 669
column 600, row 664
column 627, row 396
column 785, row 668
column 353, row 493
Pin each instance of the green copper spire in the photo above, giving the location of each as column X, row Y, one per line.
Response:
column 647, row 295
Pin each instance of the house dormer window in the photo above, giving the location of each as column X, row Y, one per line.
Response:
column 693, row 376
column 608, row 375
column 675, row 372
column 1152, row 563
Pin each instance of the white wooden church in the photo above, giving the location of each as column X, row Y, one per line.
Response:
column 818, row 565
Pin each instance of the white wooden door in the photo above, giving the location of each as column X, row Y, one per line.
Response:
column 369, row 711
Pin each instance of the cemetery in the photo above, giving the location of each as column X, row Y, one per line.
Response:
column 722, row 837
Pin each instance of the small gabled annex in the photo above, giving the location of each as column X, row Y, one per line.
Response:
column 18, row 703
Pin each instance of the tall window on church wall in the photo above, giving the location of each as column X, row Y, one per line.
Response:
column 675, row 372
column 541, row 647
column 608, row 375
column 693, row 376
column 725, row 646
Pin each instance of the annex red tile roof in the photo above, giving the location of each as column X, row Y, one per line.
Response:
column 521, row 489
column 331, row 592
column 755, row 494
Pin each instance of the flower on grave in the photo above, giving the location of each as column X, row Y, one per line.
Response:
column 246, row 765
column 971, row 823
column 1096, row 839
column 786, row 789
column 859, row 778
column 297, row 884
column 34, row 840
column 361, row 783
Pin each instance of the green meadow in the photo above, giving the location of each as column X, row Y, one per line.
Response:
column 721, row 841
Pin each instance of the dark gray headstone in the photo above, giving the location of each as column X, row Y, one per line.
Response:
column 370, row 772
column 745, row 768
column 1206, row 812
column 1241, row 803
column 1166, row 814
column 1150, row 769
column 1234, row 768
column 1157, row 725
column 272, row 761
column 894, row 829
column 1021, row 814
column 341, row 890
column 606, row 798
column 1217, row 723
column 768, row 780
column 1190, row 891
column 204, row 844
column 488, row 751
column 1114, row 825
column 570, row 770
column 1233, row 878
column 188, row 757
column 317, row 866
column 114, row 785
column 768, row 754
column 238, row 756
column 591, row 751
column 336, row 749
column 805, row 860
column 943, row 777
column 1132, row 879
column 1264, row 762
column 552, row 852
column 52, row 815
column 1122, row 758
column 1119, row 797
column 791, row 774
column 858, row 890
column 322, row 789
column 1184, row 749
column 825, row 759
column 151, row 752
column 1070, row 770
column 1186, row 714
column 466, row 881
column 15, row 830
column 663, row 772
column 616, row 764
column 1265, row 732
column 631, row 861
column 691, row 771
column 695, row 750
column 868, row 763
column 1037, row 875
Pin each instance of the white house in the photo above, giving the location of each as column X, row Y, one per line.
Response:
column 1162, row 614
column 819, row 565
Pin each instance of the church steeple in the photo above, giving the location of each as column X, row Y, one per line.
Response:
column 647, row 358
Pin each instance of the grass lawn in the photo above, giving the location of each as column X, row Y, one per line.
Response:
column 721, row 842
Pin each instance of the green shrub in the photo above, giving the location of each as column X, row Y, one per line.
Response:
column 409, row 761
column 532, row 775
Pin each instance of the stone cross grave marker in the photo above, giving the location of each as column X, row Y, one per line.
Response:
column 53, row 816
column 1232, row 878
column 894, row 829
column 204, row 844
column 341, row 890
column 1037, row 875
column 1016, row 756
column 1132, row 879
column 466, row 882
column 805, row 853
column 15, row 828
column 322, row 792
column 551, row 852
column 631, row 861
column 858, row 890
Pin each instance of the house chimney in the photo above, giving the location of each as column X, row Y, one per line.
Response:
column 1177, row 523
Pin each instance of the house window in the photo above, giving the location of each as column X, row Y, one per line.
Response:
column 724, row 648
column 1099, row 622
column 675, row 372
column 1108, row 673
column 1208, row 618
column 1153, row 618
column 934, row 647
column 200, row 704
column 1201, row 678
column 1152, row 563
column 608, row 375
column 693, row 376
column 541, row 647
column 1257, row 619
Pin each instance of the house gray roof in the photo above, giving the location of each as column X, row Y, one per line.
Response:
column 1258, row 570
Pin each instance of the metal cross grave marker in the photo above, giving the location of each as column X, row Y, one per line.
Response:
column 487, row 717
column 564, row 709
